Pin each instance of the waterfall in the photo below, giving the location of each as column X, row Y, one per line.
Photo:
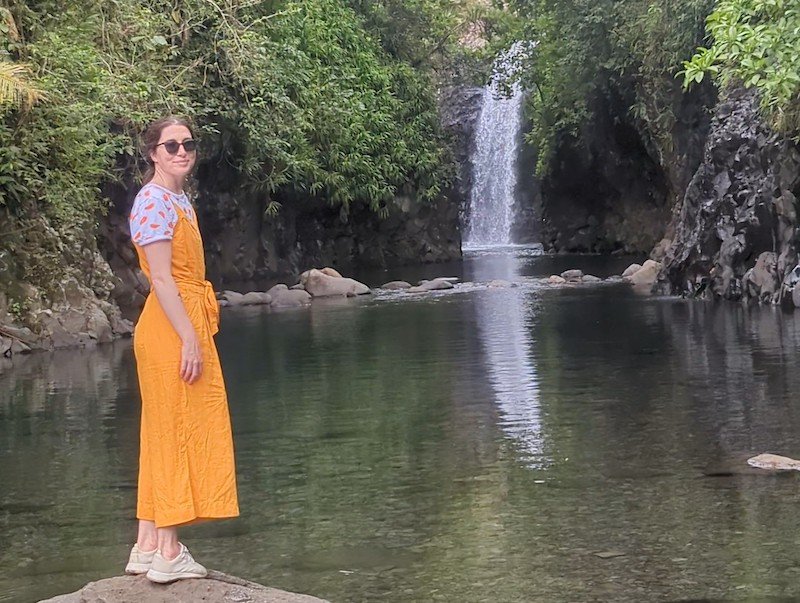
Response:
column 494, row 165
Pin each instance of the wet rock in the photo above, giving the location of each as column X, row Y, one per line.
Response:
column 774, row 462
column 98, row 326
column 216, row 587
column 396, row 285
column 499, row 284
column 646, row 275
column 590, row 278
column 554, row 279
column 436, row 284
column 256, row 298
column 283, row 297
column 762, row 281
column 319, row 284
column 233, row 297
column 631, row 270
column 572, row 275
column 22, row 333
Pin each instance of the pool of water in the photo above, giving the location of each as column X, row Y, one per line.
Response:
column 480, row 444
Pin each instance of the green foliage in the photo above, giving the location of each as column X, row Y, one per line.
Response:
column 586, row 49
column 296, row 95
column 755, row 42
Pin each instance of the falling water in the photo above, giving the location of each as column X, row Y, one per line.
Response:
column 494, row 164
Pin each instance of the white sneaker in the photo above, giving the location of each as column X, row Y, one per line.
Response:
column 139, row 561
column 183, row 566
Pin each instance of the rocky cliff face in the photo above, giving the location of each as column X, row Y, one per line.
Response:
column 613, row 189
column 55, row 288
column 737, row 233
column 460, row 109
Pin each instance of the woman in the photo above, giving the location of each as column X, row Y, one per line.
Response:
column 186, row 466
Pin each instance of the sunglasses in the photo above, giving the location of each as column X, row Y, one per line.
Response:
column 172, row 146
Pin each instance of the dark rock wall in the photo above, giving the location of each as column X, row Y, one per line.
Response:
column 460, row 109
column 613, row 187
column 736, row 237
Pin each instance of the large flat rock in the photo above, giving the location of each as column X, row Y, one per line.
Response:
column 216, row 588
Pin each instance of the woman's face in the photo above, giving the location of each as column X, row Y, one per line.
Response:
column 181, row 163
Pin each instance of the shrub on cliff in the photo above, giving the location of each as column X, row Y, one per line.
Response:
column 628, row 50
column 755, row 43
column 295, row 94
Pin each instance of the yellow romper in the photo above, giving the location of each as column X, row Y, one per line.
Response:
column 186, row 464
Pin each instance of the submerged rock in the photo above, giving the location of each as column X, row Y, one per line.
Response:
column 217, row 587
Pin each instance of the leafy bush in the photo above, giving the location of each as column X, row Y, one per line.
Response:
column 629, row 49
column 755, row 42
column 296, row 95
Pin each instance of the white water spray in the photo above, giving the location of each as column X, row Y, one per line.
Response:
column 491, row 205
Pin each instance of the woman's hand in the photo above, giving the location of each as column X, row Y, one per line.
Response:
column 191, row 359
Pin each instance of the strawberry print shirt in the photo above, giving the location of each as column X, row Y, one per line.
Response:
column 153, row 215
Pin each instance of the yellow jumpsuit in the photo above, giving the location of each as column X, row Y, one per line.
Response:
column 186, row 464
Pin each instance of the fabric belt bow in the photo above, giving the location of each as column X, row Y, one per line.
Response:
column 210, row 303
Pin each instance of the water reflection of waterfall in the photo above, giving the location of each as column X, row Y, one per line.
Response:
column 503, row 319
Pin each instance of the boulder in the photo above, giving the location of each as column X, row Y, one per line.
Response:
column 233, row 298
column 646, row 275
column 572, row 275
column 216, row 587
column 98, row 326
column 331, row 272
column 289, row 298
column 319, row 284
column 396, row 285
column 434, row 285
column 298, row 286
column 255, row 298
column 631, row 270
column 762, row 281
column 556, row 280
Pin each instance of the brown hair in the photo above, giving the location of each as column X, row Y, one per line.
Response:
column 151, row 137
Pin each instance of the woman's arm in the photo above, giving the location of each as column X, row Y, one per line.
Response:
column 159, row 257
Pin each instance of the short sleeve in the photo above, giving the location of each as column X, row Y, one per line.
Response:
column 152, row 218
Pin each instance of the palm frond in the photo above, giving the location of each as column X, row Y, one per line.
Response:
column 15, row 89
